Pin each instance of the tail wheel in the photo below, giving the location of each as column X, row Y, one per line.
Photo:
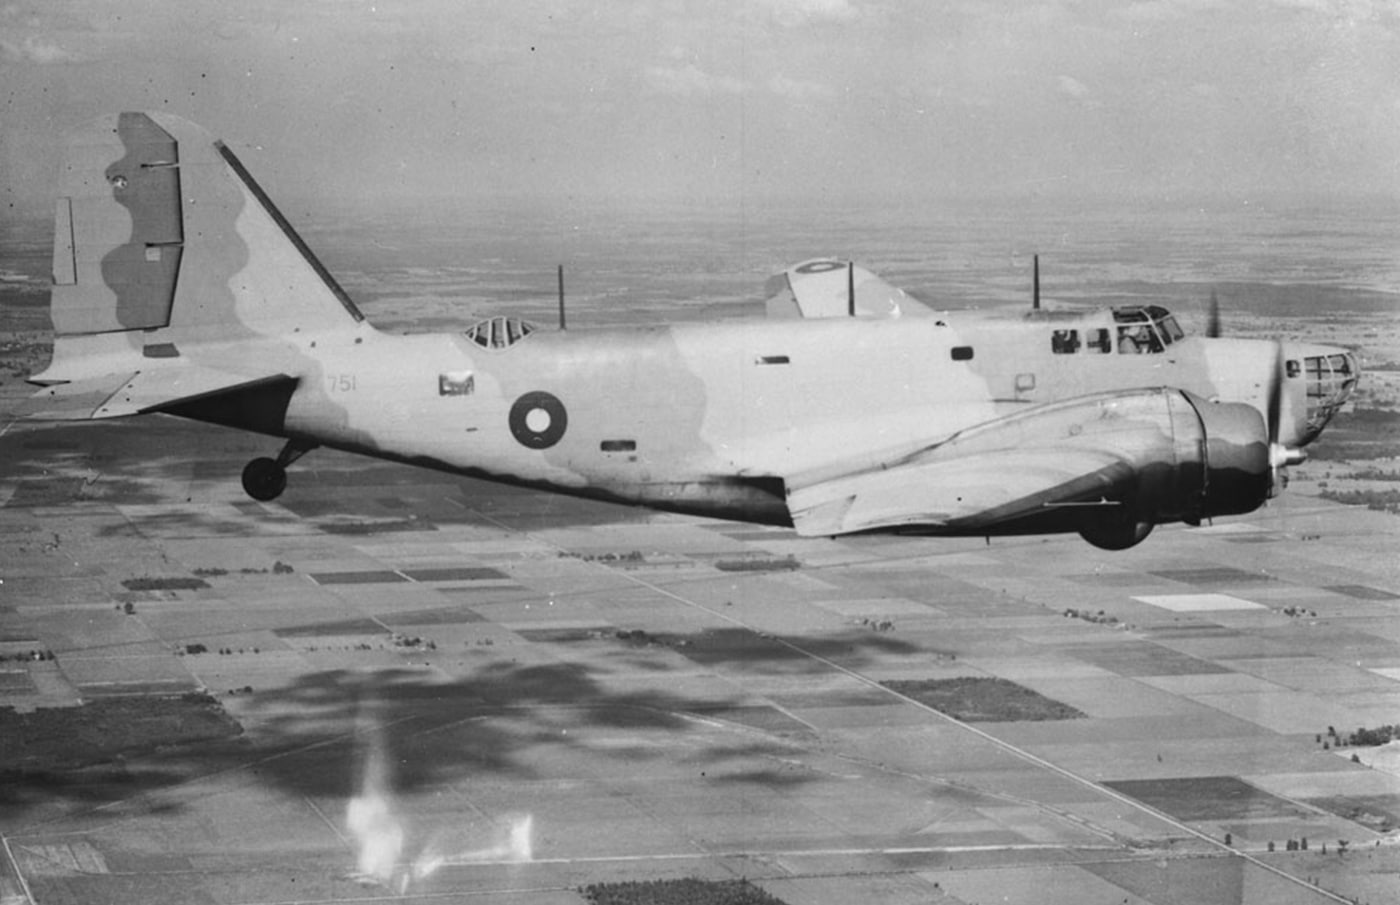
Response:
column 264, row 479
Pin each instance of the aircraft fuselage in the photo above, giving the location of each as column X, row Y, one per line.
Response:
column 701, row 417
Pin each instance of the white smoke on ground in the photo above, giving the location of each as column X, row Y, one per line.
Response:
column 371, row 816
column 514, row 844
column 379, row 832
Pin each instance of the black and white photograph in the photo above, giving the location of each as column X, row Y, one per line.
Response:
column 752, row 452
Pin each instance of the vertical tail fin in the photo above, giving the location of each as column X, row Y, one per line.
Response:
column 162, row 239
column 118, row 232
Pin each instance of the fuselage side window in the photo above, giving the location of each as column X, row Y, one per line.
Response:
column 1099, row 341
column 1171, row 330
column 1064, row 342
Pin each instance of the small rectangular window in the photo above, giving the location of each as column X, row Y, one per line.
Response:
column 456, row 383
column 1099, row 341
column 771, row 360
column 1064, row 342
column 962, row 353
column 618, row 446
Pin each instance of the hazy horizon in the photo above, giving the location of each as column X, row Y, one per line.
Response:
column 735, row 104
column 444, row 264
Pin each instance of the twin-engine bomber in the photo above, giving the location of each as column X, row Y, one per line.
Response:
column 180, row 289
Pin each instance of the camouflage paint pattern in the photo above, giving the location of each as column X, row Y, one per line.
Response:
column 896, row 419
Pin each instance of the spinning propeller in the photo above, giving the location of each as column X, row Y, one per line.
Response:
column 1280, row 455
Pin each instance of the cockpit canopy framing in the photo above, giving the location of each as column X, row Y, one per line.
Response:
column 499, row 332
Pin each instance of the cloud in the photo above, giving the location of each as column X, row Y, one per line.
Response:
column 1343, row 9
column 690, row 81
column 799, row 89
column 35, row 49
column 792, row 13
column 1163, row 10
column 1073, row 87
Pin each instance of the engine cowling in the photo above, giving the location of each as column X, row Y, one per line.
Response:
column 1210, row 459
column 1238, row 477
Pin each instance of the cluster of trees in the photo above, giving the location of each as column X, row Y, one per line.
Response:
column 779, row 564
column 1301, row 845
column 1361, row 738
column 1364, row 738
column 147, row 583
column 197, row 648
column 633, row 556
column 1375, row 500
column 1374, row 474
column 29, row 656
column 1100, row 617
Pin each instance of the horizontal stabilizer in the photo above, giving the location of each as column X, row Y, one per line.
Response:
column 119, row 395
column 78, row 400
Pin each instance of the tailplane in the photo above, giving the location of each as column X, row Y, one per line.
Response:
column 163, row 243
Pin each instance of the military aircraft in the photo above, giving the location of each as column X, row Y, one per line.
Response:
column 180, row 289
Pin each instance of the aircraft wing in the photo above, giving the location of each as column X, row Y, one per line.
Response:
column 964, row 494
column 822, row 287
column 136, row 392
column 1103, row 450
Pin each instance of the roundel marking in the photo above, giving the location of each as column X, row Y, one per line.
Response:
column 538, row 420
column 821, row 267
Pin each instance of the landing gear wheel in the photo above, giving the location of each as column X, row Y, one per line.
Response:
column 264, row 479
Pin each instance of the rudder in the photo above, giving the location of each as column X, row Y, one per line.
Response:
column 118, row 229
column 163, row 240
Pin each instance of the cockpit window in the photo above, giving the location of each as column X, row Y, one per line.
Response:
column 1171, row 330
column 1136, row 339
column 499, row 332
column 1147, row 329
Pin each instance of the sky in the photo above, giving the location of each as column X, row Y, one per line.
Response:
column 714, row 102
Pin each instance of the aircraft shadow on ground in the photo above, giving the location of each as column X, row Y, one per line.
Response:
column 743, row 650
column 502, row 721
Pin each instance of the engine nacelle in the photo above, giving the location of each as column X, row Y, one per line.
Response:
column 1207, row 459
